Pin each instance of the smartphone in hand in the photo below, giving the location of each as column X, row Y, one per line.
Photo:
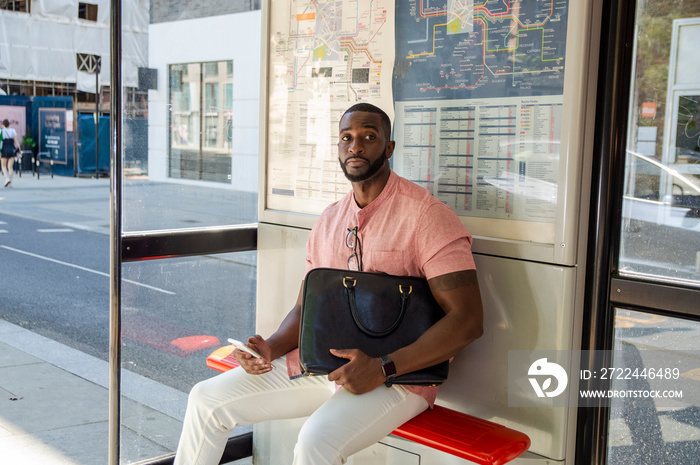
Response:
column 241, row 346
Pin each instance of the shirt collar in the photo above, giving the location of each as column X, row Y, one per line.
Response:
column 374, row 205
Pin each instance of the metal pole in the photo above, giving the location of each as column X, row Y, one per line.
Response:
column 97, row 118
column 115, row 232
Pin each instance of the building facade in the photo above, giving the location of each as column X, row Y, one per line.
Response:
column 204, row 110
column 57, row 48
column 192, row 109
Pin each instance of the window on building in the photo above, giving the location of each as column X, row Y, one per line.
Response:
column 88, row 63
column 87, row 11
column 228, row 95
column 15, row 5
column 211, row 69
column 201, row 99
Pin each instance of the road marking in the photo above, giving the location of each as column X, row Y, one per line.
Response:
column 84, row 269
column 4, row 231
column 54, row 230
column 693, row 374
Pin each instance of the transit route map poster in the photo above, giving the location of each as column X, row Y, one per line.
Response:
column 478, row 99
column 324, row 57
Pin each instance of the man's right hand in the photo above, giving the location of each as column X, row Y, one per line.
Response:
column 252, row 365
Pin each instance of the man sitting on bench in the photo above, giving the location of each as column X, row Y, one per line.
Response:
column 386, row 224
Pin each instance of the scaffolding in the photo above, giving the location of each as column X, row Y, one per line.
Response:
column 40, row 49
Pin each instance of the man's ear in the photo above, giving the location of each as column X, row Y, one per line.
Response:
column 390, row 146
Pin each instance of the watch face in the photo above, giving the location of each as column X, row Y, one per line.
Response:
column 388, row 367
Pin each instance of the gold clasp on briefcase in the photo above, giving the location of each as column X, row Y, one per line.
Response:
column 410, row 289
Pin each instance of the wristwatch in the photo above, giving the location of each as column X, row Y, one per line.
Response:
column 388, row 369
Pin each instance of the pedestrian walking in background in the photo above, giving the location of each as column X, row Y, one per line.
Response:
column 10, row 146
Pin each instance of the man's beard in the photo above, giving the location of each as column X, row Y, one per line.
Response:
column 373, row 169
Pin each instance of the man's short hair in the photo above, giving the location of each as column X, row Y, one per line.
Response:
column 369, row 108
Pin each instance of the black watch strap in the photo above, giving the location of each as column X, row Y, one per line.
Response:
column 388, row 369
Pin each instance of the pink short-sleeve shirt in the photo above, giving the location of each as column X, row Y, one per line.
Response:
column 405, row 232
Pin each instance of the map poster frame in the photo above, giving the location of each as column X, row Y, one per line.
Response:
column 321, row 57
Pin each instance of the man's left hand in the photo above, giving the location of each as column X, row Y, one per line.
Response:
column 360, row 375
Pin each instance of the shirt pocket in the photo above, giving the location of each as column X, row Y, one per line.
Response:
column 389, row 262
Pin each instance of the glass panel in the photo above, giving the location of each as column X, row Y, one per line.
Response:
column 185, row 120
column 54, row 325
column 206, row 154
column 661, row 430
column 196, row 118
column 661, row 210
column 213, row 121
column 175, row 312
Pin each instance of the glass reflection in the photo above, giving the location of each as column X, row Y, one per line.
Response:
column 190, row 158
column 150, row 205
column 175, row 312
column 661, row 209
column 647, row 430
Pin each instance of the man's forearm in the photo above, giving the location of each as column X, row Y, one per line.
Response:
column 286, row 337
column 458, row 294
column 441, row 342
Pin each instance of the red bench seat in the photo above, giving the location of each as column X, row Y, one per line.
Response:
column 471, row 438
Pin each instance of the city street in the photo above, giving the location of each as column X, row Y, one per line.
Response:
column 54, row 315
column 55, row 282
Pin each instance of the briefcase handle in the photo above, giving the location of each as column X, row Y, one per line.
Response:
column 350, row 283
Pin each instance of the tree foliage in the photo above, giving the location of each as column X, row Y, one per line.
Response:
column 654, row 34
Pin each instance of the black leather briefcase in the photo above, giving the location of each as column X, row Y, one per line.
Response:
column 377, row 313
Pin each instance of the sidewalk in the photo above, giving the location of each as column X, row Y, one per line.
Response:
column 79, row 202
column 84, row 203
column 54, row 399
column 55, row 405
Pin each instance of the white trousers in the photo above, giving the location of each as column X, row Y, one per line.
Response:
column 340, row 423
